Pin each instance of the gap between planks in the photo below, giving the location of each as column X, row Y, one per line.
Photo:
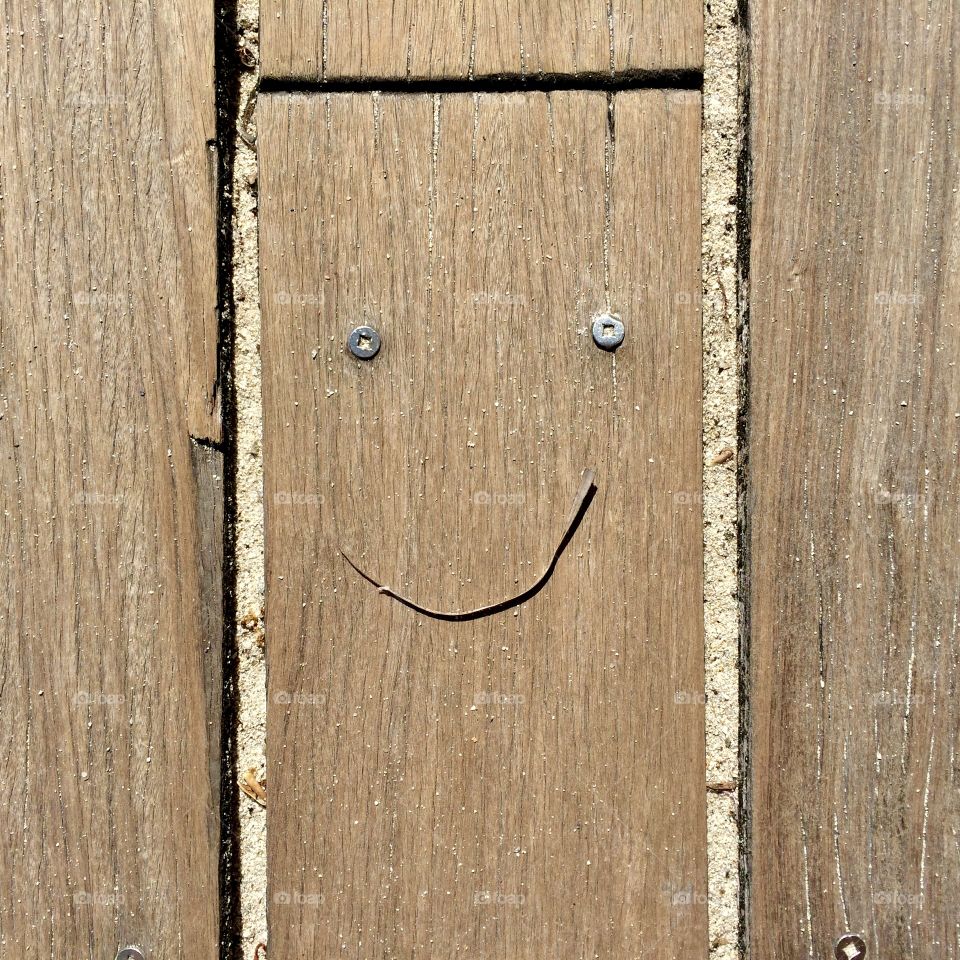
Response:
column 501, row 83
column 244, row 913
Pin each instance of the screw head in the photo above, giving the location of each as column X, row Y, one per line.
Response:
column 364, row 343
column 850, row 946
column 130, row 953
column 607, row 331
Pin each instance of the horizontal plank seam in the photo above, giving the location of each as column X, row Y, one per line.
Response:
column 208, row 443
column 501, row 83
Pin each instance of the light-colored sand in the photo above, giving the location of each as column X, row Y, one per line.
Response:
column 249, row 491
column 720, row 394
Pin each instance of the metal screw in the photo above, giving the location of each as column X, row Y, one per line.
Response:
column 130, row 953
column 607, row 331
column 850, row 947
column 364, row 343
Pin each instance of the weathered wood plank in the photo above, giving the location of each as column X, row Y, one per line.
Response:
column 854, row 486
column 429, row 38
column 108, row 340
column 208, row 474
column 529, row 784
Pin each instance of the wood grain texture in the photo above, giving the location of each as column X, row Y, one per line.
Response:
column 108, row 339
column 854, row 486
column 209, row 479
column 335, row 39
column 529, row 784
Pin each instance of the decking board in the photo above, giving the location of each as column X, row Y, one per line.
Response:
column 854, row 490
column 529, row 784
column 110, row 612
column 417, row 39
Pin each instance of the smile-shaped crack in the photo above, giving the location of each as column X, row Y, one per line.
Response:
column 585, row 494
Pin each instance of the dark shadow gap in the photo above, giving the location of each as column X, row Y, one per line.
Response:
column 206, row 442
column 744, row 518
column 227, row 92
column 501, row 83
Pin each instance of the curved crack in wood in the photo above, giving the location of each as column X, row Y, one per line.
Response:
column 581, row 503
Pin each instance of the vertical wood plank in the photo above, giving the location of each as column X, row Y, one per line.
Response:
column 209, row 479
column 854, row 486
column 528, row 784
column 310, row 39
column 108, row 351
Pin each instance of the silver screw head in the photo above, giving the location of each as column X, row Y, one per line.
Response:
column 130, row 953
column 850, row 947
column 364, row 343
column 607, row 331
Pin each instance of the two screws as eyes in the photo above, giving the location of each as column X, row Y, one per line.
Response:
column 608, row 332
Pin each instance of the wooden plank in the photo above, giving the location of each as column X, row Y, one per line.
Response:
column 108, row 351
column 854, row 487
column 529, row 784
column 395, row 39
column 208, row 474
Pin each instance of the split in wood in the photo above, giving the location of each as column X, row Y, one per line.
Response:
column 581, row 503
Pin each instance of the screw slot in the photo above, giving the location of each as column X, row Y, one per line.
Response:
column 850, row 946
column 131, row 953
column 364, row 343
column 608, row 331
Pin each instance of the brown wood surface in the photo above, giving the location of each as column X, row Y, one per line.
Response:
column 108, row 339
column 209, row 505
column 529, row 784
column 335, row 39
column 854, row 487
